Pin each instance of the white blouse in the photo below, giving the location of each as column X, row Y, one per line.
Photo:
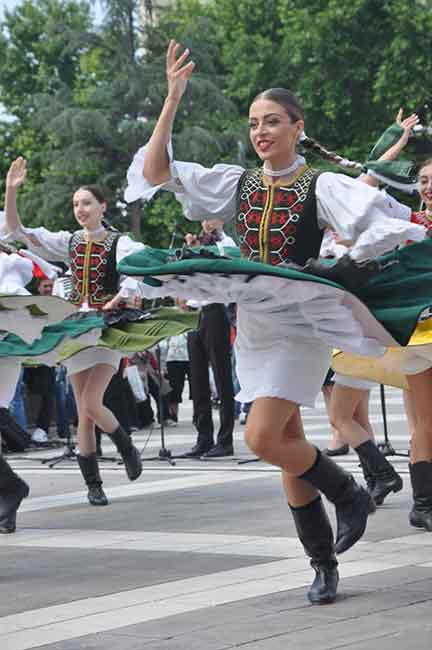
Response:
column 375, row 222
column 15, row 272
column 54, row 246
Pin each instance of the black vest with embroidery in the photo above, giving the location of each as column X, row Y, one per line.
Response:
column 278, row 223
column 94, row 269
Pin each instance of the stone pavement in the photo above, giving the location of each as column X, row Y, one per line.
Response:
column 203, row 556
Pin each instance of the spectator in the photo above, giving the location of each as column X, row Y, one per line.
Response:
column 41, row 380
column 178, row 368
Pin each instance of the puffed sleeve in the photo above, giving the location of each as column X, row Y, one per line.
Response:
column 374, row 221
column 126, row 246
column 203, row 192
column 52, row 246
column 129, row 287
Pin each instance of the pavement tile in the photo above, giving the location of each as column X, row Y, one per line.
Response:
column 385, row 609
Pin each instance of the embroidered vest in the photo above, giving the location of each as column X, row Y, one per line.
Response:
column 94, row 269
column 422, row 219
column 278, row 223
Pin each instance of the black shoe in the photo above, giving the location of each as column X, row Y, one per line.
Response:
column 97, row 496
column 324, row 588
column 9, row 505
column 198, row 450
column 352, row 514
column 343, row 450
column 218, row 451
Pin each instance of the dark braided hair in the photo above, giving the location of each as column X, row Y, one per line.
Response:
column 294, row 109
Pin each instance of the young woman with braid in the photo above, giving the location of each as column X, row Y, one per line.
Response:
column 417, row 366
column 282, row 210
column 92, row 253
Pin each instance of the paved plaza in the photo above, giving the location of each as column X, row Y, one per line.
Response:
column 203, row 556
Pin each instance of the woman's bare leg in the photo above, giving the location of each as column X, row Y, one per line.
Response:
column 421, row 450
column 361, row 414
column 93, row 386
column 345, row 401
column 421, row 392
column 92, row 409
column 85, row 430
column 410, row 413
column 312, row 525
column 272, row 436
column 87, row 459
column 336, row 440
column 298, row 491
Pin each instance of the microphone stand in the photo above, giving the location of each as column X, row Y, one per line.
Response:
column 164, row 453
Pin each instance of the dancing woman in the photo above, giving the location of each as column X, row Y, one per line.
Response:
column 92, row 252
column 417, row 363
column 280, row 212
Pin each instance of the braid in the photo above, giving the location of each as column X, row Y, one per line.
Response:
column 313, row 145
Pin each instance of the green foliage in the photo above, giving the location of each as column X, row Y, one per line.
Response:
column 81, row 97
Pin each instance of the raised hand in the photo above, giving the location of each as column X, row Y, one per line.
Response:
column 178, row 72
column 17, row 173
column 407, row 125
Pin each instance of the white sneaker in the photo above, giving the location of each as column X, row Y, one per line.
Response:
column 39, row 435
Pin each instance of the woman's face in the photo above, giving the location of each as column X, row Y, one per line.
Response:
column 273, row 134
column 87, row 209
column 425, row 185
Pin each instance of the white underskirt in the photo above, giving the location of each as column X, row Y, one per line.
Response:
column 9, row 375
column 285, row 329
column 91, row 357
column 293, row 370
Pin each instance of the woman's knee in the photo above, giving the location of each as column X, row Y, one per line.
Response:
column 259, row 439
column 340, row 420
column 89, row 409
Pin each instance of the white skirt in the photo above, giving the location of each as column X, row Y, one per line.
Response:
column 91, row 357
column 271, row 365
column 10, row 368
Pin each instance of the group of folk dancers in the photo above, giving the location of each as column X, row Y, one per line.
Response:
column 280, row 211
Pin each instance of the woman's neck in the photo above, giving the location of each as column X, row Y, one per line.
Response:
column 95, row 233
column 283, row 169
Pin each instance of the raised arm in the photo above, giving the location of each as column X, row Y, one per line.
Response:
column 393, row 152
column 156, row 166
column 15, row 177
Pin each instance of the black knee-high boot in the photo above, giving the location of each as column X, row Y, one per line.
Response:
column 128, row 452
column 368, row 476
column 90, row 470
column 353, row 504
column 315, row 533
column 12, row 491
column 421, row 481
column 385, row 477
